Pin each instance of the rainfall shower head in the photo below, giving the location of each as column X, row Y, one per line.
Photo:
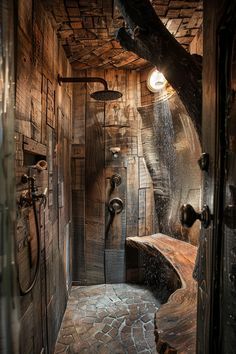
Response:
column 103, row 95
column 106, row 95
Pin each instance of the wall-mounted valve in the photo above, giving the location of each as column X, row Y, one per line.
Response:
column 26, row 199
column 115, row 206
column 115, row 180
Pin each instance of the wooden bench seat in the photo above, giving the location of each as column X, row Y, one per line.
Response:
column 175, row 321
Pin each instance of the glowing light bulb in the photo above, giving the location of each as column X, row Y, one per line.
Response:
column 155, row 81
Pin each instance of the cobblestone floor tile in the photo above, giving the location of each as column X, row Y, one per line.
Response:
column 106, row 328
column 108, row 319
column 141, row 346
column 104, row 350
column 115, row 348
column 106, row 338
column 66, row 339
column 148, row 326
column 131, row 350
column 113, row 332
column 117, row 323
column 83, row 329
column 59, row 348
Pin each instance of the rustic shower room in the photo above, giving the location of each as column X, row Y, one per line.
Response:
column 117, row 177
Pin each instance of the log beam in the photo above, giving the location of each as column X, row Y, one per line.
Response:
column 148, row 38
column 175, row 321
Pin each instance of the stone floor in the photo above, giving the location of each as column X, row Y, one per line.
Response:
column 108, row 319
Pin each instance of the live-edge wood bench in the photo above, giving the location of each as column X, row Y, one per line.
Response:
column 175, row 321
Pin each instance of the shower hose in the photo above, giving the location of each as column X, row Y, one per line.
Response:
column 32, row 283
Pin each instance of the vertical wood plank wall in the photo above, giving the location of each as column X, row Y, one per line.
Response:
column 97, row 127
column 43, row 131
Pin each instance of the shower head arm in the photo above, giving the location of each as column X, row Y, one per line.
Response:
column 82, row 79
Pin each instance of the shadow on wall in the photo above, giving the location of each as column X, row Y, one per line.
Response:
column 171, row 149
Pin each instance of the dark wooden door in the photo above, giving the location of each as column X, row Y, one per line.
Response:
column 216, row 330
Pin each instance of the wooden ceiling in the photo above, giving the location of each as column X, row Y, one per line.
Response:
column 86, row 29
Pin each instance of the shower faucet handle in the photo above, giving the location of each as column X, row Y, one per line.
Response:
column 115, row 180
column 115, row 206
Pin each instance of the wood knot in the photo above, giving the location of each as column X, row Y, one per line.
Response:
column 139, row 31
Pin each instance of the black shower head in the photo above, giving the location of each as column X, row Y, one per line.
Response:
column 106, row 95
column 103, row 95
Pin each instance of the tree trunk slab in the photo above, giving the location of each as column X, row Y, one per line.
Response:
column 175, row 321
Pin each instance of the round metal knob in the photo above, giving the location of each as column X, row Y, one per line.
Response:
column 115, row 205
column 115, row 180
column 188, row 216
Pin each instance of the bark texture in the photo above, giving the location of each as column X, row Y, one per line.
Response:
column 148, row 38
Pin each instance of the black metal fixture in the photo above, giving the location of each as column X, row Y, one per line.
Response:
column 115, row 180
column 188, row 216
column 204, row 161
column 115, row 206
column 27, row 200
column 102, row 95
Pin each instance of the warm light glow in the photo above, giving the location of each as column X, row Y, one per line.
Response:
column 156, row 80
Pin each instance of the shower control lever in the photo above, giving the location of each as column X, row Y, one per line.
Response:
column 115, row 206
column 115, row 180
column 188, row 216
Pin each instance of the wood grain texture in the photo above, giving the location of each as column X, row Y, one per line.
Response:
column 175, row 321
column 169, row 145
column 113, row 124
column 38, row 99
column 87, row 30
column 94, row 193
column 151, row 40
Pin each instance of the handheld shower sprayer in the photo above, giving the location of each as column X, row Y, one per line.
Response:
column 27, row 200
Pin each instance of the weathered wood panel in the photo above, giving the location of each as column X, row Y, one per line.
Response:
column 24, row 77
column 115, row 267
column 168, row 145
column 37, row 98
column 34, row 147
column 79, row 109
column 94, row 193
column 36, row 110
column 116, row 124
column 78, row 214
column 142, row 212
column 132, row 196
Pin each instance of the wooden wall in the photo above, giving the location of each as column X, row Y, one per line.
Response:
column 176, row 157
column 96, row 128
column 43, row 131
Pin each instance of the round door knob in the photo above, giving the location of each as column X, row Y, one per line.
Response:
column 188, row 216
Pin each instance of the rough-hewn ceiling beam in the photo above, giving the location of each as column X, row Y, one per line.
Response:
column 148, row 38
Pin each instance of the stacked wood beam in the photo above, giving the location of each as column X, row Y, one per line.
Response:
column 87, row 30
